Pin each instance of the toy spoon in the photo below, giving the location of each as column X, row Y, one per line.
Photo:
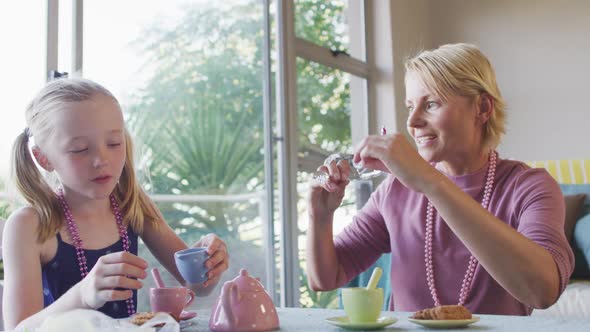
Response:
column 157, row 278
column 375, row 276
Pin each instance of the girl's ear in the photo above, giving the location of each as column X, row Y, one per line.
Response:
column 486, row 107
column 41, row 159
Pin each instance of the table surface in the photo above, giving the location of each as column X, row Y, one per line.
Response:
column 298, row 319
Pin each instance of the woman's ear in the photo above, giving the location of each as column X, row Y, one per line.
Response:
column 486, row 107
column 41, row 159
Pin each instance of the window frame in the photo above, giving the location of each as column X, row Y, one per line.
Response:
column 289, row 48
column 267, row 211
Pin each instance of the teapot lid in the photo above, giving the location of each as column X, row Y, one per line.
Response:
column 246, row 283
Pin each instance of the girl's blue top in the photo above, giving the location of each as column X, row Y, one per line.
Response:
column 63, row 272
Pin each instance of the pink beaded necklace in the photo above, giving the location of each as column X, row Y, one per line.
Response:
column 77, row 241
column 466, row 286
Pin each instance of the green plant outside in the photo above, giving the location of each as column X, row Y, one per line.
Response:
column 207, row 96
column 5, row 210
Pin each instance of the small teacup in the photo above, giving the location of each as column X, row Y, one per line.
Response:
column 191, row 264
column 362, row 305
column 171, row 300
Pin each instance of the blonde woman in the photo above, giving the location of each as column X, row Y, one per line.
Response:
column 463, row 225
column 76, row 246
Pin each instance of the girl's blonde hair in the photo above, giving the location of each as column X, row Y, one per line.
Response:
column 462, row 69
column 135, row 205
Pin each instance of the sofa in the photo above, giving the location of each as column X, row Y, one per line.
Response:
column 573, row 177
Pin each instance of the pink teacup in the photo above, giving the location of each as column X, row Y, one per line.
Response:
column 171, row 300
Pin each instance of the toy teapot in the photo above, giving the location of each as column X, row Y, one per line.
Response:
column 243, row 305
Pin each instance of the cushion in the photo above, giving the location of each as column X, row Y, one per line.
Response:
column 582, row 238
column 581, row 268
column 573, row 210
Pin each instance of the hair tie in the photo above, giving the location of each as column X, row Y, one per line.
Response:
column 27, row 132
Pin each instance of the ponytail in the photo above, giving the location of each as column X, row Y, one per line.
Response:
column 32, row 186
column 134, row 203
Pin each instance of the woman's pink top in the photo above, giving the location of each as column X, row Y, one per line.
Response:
column 393, row 220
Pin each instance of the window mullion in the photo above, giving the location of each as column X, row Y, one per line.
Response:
column 287, row 143
column 51, row 37
column 77, row 37
column 310, row 51
column 268, row 215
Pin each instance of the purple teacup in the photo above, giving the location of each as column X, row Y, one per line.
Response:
column 191, row 264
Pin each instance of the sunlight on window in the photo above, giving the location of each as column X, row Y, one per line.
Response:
column 188, row 75
column 22, row 59
column 325, row 128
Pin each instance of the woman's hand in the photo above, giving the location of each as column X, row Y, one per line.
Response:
column 115, row 270
column 218, row 261
column 394, row 154
column 326, row 196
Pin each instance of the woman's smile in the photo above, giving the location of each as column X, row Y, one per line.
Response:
column 425, row 140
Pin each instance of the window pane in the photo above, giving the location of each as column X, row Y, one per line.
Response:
column 324, row 120
column 189, row 77
column 23, row 61
column 335, row 24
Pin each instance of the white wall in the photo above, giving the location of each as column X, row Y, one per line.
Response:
column 541, row 52
column 411, row 33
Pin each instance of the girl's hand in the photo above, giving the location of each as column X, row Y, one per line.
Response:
column 115, row 270
column 325, row 197
column 218, row 261
column 394, row 154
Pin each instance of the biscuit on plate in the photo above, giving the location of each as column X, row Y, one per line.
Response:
column 443, row 312
column 142, row 317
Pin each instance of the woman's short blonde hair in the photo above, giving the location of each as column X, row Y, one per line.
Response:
column 462, row 69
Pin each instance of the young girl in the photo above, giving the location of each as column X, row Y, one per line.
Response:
column 75, row 246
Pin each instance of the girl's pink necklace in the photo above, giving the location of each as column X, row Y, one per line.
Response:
column 77, row 241
column 466, row 286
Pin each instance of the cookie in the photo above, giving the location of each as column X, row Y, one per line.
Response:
column 443, row 312
column 142, row 317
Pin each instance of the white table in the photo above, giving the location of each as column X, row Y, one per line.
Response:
column 297, row 319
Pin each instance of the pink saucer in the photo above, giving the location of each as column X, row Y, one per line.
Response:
column 186, row 315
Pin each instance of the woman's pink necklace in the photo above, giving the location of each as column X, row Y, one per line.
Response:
column 77, row 241
column 466, row 286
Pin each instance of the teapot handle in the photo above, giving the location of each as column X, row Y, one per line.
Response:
column 228, row 297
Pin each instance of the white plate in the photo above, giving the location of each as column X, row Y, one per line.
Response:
column 444, row 323
column 343, row 322
column 186, row 315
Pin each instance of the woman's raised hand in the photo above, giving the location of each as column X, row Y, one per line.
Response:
column 325, row 196
column 394, row 154
column 112, row 271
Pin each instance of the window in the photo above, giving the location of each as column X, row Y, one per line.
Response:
column 322, row 109
column 195, row 82
column 324, row 123
column 22, row 31
column 189, row 76
column 336, row 25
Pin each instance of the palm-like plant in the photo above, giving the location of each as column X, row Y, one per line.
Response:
column 199, row 118
column 206, row 97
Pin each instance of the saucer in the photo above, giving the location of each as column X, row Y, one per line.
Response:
column 343, row 322
column 444, row 323
column 186, row 315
